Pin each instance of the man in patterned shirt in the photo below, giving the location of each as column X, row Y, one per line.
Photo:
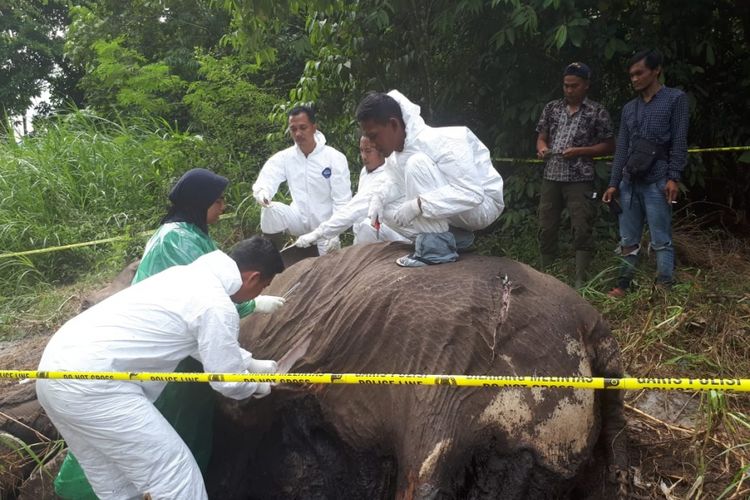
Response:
column 572, row 130
column 660, row 115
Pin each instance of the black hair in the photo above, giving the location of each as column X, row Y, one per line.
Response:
column 257, row 254
column 652, row 58
column 378, row 107
column 303, row 109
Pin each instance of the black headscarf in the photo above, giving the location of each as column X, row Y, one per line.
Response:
column 191, row 196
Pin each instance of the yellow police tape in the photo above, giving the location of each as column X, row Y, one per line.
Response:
column 575, row 382
column 599, row 158
column 86, row 243
column 226, row 216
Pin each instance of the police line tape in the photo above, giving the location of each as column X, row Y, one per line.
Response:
column 574, row 382
column 600, row 158
column 88, row 243
column 226, row 216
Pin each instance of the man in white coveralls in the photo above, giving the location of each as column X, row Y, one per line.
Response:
column 354, row 213
column 125, row 446
column 318, row 180
column 441, row 183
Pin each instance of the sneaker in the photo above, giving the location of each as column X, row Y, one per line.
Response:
column 617, row 293
column 410, row 261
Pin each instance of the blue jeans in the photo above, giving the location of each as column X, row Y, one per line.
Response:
column 641, row 204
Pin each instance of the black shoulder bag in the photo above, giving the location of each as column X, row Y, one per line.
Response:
column 644, row 153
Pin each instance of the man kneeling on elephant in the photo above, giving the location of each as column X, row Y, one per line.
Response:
column 441, row 183
column 125, row 446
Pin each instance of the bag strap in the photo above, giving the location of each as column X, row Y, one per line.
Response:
column 662, row 150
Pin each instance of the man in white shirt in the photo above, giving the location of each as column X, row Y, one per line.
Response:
column 318, row 180
column 441, row 183
column 354, row 213
column 124, row 445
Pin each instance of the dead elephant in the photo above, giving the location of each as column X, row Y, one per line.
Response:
column 121, row 282
column 363, row 314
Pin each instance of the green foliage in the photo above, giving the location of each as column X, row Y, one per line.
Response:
column 123, row 82
column 80, row 178
column 31, row 44
column 164, row 30
column 17, row 456
column 231, row 113
column 421, row 47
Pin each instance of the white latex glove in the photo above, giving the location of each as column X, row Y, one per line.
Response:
column 407, row 212
column 268, row 303
column 261, row 365
column 308, row 239
column 375, row 211
column 263, row 390
column 332, row 245
column 253, row 365
column 263, row 198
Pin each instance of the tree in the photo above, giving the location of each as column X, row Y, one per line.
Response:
column 122, row 81
column 492, row 65
column 227, row 109
column 31, row 46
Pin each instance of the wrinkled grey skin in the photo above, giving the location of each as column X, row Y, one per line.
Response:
column 482, row 316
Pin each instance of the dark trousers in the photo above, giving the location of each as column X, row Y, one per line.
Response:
column 576, row 197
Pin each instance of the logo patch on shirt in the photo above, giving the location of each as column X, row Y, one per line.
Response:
column 326, row 172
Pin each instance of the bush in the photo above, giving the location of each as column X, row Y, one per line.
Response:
column 80, row 178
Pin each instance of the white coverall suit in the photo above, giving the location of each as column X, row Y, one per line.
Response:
column 319, row 184
column 354, row 214
column 123, row 443
column 451, row 172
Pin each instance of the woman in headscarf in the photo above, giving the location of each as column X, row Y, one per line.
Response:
column 197, row 200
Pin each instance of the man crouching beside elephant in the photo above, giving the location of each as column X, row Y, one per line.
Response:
column 126, row 447
column 441, row 183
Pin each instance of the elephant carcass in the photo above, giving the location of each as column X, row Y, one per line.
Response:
column 479, row 316
column 121, row 282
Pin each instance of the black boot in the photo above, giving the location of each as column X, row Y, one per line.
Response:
column 583, row 261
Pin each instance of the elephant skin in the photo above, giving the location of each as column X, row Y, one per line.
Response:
column 360, row 313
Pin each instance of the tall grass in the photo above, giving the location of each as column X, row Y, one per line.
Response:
column 79, row 178
column 83, row 177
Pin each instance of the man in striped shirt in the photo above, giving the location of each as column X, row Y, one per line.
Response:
column 659, row 115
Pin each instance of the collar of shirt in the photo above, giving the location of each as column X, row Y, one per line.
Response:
column 656, row 94
column 586, row 103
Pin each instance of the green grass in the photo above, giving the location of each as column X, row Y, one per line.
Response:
column 81, row 178
column 701, row 328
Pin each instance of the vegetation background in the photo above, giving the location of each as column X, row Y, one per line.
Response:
column 143, row 90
